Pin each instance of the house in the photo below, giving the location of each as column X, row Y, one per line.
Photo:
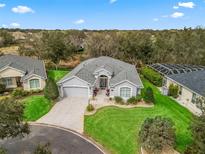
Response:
column 20, row 71
column 189, row 78
column 103, row 73
column 191, row 86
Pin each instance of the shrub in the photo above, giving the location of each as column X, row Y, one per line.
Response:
column 19, row 92
column 90, row 108
column 2, row 88
column 149, row 95
column 51, row 90
column 173, row 90
column 3, row 151
column 118, row 100
column 43, row 149
column 132, row 100
column 138, row 98
column 152, row 76
column 198, row 134
column 157, row 133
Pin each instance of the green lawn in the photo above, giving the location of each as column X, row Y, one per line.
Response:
column 117, row 129
column 36, row 107
column 56, row 74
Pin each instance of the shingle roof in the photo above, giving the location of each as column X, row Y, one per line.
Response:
column 192, row 80
column 25, row 64
column 121, row 71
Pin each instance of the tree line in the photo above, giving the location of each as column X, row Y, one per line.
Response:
column 138, row 47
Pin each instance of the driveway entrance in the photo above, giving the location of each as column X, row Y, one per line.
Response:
column 68, row 113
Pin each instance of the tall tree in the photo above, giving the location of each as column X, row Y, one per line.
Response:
column 11, row 119
column 56, row 48
column 6, row 38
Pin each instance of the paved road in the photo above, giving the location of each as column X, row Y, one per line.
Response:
column 61, row 142
column 68, row 113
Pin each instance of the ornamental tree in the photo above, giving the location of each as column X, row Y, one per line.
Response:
column 156, row 134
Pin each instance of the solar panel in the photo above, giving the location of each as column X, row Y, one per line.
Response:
column 169, row 69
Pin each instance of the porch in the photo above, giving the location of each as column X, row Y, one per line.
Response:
column 101, row 99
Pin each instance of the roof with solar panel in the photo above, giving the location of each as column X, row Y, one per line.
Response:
column 171, row 69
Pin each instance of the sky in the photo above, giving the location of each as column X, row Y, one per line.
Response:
column 102, row 14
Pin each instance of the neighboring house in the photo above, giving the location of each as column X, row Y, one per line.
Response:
column 21, row 71
column 191, row 86
column 189, row 78
column 103, row 73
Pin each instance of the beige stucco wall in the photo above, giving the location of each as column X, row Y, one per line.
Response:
column 10, row 72
column 26, row 84
column 185, row 98
column 186, row 95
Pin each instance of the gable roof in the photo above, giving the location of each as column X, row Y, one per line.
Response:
column 195, row 81
column 120, row 70
column 27, row 65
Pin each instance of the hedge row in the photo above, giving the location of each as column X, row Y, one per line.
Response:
column 152, row 76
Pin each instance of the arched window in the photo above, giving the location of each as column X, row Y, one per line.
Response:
column 125, row 92
column 34, row 83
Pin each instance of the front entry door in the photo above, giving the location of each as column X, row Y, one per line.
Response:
column 103, row 82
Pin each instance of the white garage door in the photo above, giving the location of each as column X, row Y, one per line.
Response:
column 75, row 92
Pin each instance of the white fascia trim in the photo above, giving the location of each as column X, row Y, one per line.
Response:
column 6, row 67
column 61, row 82
column 126, row 81
column 98, row 70
column 184, row 86
column 33, row 75
column 74, row 86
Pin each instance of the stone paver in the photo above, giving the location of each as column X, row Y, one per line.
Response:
column 61, row 142
column 68, row 113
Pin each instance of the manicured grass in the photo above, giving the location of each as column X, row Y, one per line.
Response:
column 36, row 107
column 56, row 74
column 117, row 129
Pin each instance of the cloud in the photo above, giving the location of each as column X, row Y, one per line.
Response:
column 177, row 15
column 190, row 5
column 22, row 9
column 4, row 26
column 175, row 7
column 112, row 1
column 2, row 5
column 156, row 19
column 80, row 21
column 15, row 25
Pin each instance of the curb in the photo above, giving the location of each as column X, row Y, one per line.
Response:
column 70, row 131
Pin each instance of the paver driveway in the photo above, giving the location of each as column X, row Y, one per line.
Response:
column 68, row 113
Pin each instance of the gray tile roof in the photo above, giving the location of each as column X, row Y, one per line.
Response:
column 25, row 64
column 192, row 80
column 121, row 71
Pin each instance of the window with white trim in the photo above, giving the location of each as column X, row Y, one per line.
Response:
column 34, row 83
column 7, row 81
column 125, row 92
